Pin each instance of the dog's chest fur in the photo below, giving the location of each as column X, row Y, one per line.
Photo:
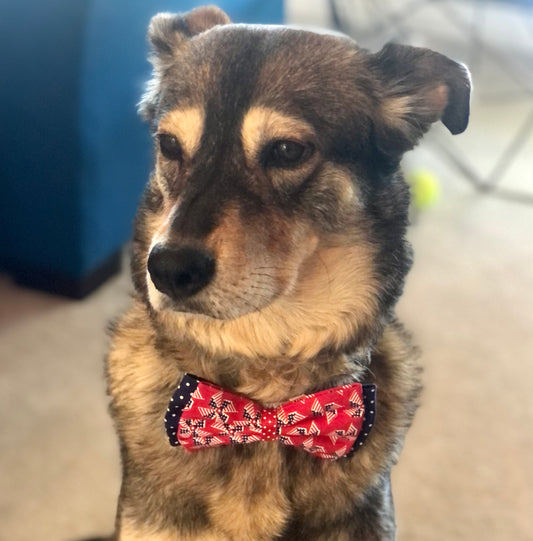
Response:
column 259, row 491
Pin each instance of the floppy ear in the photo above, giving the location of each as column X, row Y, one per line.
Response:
column 418, row 87
column 167, row 34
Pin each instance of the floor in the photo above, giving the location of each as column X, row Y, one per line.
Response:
column 466, row 472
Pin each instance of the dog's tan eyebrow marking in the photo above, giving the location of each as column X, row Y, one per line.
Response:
column 262, row 124
column 187, row 125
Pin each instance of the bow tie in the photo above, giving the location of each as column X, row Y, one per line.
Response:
column 329, row 424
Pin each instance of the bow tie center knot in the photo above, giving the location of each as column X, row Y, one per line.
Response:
column 269, row 424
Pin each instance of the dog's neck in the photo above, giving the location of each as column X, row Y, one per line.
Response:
column 268, row 379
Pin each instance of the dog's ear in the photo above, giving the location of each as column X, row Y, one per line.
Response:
column 418, row 87
column 167, row 31
column 167, row 34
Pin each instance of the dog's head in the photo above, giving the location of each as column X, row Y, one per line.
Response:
column 276, row 214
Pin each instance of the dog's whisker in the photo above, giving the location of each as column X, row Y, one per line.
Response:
column 261, row 274
column 260, row 288
column 277, row 269
column 247, row 302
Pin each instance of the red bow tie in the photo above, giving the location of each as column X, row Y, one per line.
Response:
column 329, row 424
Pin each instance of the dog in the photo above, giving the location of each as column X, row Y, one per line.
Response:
column 269, row 252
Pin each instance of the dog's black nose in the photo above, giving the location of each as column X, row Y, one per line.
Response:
column 180, row 272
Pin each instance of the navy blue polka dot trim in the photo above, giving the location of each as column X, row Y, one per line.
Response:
column 177, row 404
column 370, row 401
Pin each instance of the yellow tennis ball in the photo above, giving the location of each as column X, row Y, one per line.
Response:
column 425, row 188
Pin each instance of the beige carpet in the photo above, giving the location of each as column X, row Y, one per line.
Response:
column 467, row 469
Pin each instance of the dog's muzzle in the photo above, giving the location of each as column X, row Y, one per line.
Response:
column 180, row 272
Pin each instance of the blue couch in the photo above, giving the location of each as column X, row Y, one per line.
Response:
column 75, row 156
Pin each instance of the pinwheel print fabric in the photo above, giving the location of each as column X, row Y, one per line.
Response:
column 329, row 424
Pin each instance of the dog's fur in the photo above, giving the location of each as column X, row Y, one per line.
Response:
column 310, row 260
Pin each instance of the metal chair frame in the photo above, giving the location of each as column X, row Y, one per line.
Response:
column 387, row 19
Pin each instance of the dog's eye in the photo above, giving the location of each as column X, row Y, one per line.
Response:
column 170, row 147
column 287, row 154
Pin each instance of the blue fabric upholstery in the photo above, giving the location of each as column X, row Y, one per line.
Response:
column 75, row 156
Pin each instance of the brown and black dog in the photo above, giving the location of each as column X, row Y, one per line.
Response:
column 269, row 253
